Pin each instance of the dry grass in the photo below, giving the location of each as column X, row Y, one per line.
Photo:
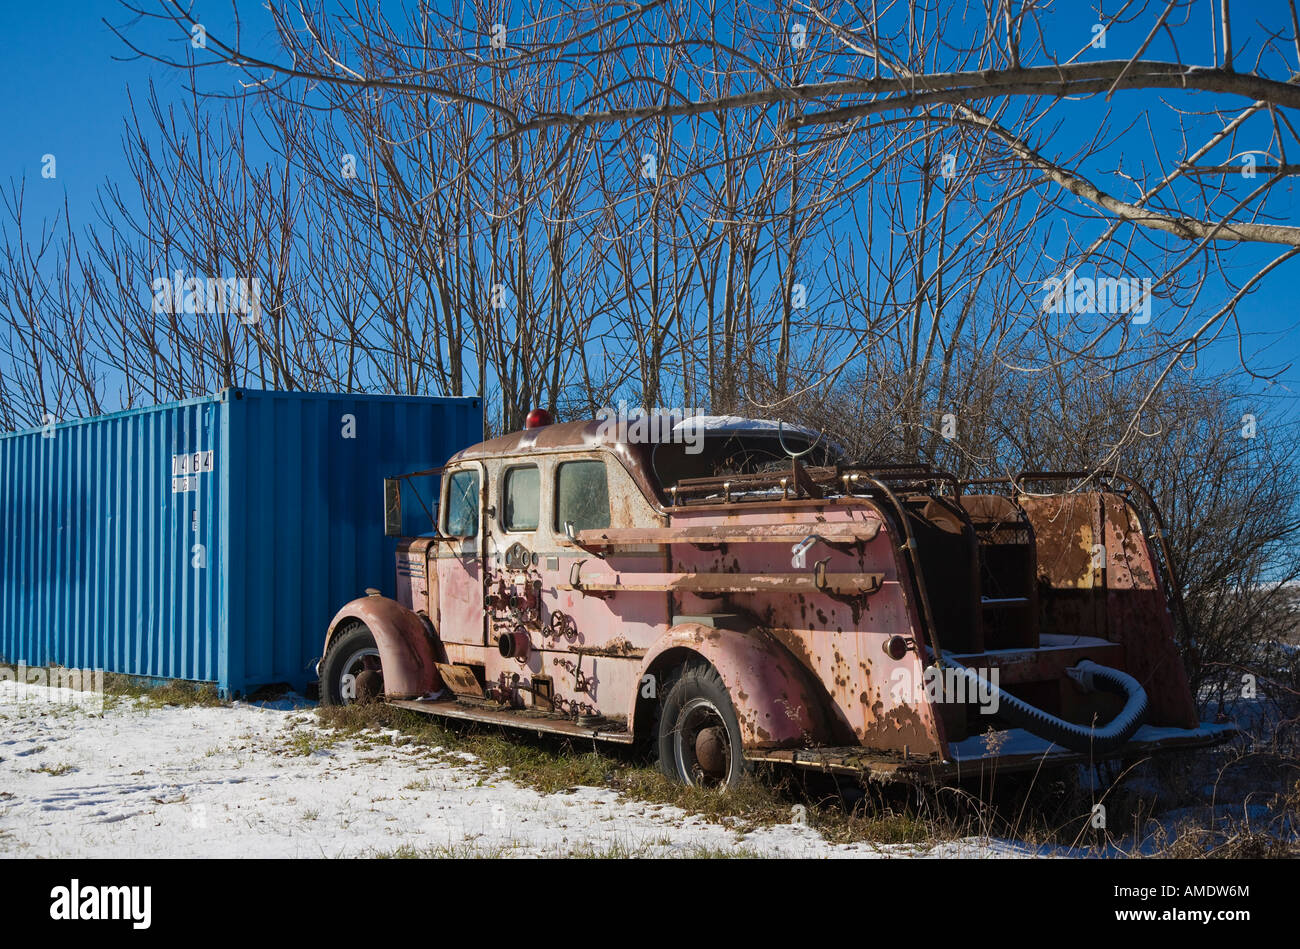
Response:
column 55, row 770
column 551, row 766
column 1047, row 811
column 157, row 694
column 613, row 850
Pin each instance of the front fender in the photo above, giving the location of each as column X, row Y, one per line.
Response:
column 406, row 648
column 776, row 704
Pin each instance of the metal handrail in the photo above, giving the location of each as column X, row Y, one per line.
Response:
column 910, row 547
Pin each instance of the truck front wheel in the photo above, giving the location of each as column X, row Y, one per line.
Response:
column 350, row 671
column 699, row 734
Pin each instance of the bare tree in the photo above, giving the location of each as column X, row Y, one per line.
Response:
column 1022, row 97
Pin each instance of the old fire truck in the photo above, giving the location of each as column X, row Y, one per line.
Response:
column 755, row 597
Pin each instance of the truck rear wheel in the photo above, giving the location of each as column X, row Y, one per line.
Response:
column 699, row 734
column 350, row 671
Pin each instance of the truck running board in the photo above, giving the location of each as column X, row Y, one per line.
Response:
column 525, row 719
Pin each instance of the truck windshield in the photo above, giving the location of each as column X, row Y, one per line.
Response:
column 462, row 505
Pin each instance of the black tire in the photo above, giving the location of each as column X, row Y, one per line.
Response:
column 699, row 733
column 668, row 679
column 352, row 652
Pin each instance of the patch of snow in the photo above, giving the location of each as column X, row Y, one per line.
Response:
column 265, row 780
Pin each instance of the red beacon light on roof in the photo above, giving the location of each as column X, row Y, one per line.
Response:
column 537, row 418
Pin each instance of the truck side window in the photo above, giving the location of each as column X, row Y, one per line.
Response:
column 522, row 498
column 581, row 495
column 462, row 504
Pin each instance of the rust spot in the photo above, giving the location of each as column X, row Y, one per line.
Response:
column 618, row 648
column 902, row 725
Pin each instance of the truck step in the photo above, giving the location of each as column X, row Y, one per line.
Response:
column 526, row 719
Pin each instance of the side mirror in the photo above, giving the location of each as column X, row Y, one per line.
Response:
column 392, row 507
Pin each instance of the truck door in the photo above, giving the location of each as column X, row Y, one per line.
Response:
column 460, row 560
column 512, row 538
column 590, row 495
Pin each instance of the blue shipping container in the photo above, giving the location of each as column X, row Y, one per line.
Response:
column 211, row 539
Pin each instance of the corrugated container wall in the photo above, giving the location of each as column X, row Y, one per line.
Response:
column 211, row 539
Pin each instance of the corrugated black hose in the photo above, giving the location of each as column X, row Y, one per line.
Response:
column 1081, row 738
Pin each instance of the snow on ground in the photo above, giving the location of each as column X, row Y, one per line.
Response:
column 266, row 781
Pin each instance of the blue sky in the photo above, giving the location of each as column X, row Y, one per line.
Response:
column 68, row 96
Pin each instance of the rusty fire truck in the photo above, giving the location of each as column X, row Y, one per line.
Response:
column 756, row 597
